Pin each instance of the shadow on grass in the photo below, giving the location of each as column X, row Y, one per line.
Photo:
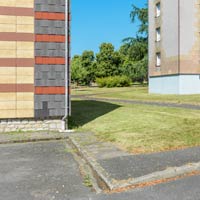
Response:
column 84, row 111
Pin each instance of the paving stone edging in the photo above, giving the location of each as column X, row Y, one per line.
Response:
column 103, row 179
column 106, row 182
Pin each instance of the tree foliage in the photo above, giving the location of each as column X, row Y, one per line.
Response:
column 135, row 49
column 129, row 61
column 78, row 73
column 108, row 61
column 87, row 62
column 136, row 70
column 142, row 15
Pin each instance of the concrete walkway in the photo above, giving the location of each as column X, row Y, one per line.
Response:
column 152, row 103
column 119, row 169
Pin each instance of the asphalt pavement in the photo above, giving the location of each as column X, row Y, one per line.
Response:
column 182, row 189
column 48, row 171
column 39, row 171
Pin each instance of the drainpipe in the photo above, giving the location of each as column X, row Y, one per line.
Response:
column 67, row 66
column 179, row 35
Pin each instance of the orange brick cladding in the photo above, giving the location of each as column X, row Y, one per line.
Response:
column 49, row 16
column 49, row 90
column 50, row 60
column 49, row 38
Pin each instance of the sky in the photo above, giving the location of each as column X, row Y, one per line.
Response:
column 98, row 21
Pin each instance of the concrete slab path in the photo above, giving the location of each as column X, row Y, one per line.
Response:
column 134, row 166
column 120, row 169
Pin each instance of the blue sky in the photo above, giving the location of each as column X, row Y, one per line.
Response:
column 97, row 21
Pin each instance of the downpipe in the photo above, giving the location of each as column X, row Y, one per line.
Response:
column 64, row 125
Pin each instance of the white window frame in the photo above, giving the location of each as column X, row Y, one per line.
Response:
column 158, row 11
column 158, row 34
column 158, row 59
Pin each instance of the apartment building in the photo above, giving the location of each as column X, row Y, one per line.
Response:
column 34, row 64
column 174, row 46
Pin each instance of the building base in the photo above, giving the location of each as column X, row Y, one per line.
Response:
column 175, row 84
column 15, row 125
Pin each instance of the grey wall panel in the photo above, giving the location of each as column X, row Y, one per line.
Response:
column 56, row 112
column 55, row 27
column 45, row 83
column 49, row 106
column 50, row 23
column 49, row 75
column 49, row 46
column 50, row 68
column 50, row 53
column 50, row 5
column 51, row 2
column 50, row 31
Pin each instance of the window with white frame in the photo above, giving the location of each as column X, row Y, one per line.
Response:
column 158, row 9
column 158, row 37
column 158, row 59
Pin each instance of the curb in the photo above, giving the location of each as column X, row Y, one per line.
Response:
column 103, row 179
column 105, row 182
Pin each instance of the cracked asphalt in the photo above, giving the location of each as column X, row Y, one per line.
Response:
column 48, row 171
column 39, row 171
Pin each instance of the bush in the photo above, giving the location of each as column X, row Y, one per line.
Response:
column 115, row 81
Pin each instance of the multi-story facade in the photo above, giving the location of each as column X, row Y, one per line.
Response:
column 174, row 46
column 34, row 64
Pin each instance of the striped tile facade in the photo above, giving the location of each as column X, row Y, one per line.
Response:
column 50, row 58
column 32, row 59
column 17, row 59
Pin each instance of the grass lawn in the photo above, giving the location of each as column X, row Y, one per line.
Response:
column 137, row 93
column 137, row 128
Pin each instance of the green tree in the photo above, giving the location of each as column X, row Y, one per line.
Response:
column 107, row 61
column 142, row 15
column 87, row 58
column 136, row 70
column 78, row 72
column 134, row 51
column 87, row 61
